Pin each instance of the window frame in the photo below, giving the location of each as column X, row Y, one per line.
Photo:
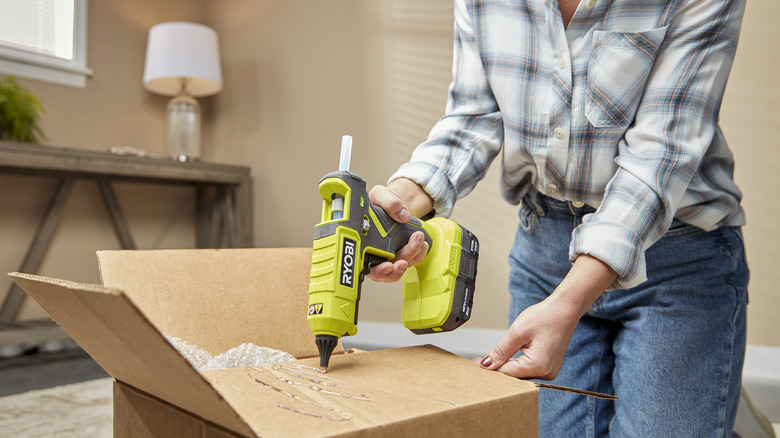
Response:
column 47, row 68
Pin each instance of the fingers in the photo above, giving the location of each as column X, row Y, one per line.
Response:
column 390, row 202
column 522, row 367
column 502, row 352
column 525, row 366
column 412, row 253
column 388, row 272
column 420, row 254
column 414, row 249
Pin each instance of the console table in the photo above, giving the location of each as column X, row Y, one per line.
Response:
column 223, row 201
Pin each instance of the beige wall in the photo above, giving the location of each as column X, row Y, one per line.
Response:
column 112, row 110
column 293, row 87
column 750, row 118
column 299, row 74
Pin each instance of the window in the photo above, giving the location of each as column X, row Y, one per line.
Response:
column 44, row 40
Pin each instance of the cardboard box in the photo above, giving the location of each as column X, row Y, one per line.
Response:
column 220, row 299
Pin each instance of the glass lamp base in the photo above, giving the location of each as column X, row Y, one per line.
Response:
column 184, row 128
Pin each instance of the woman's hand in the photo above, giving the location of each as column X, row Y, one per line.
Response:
column 399, row 201
column 543, row 331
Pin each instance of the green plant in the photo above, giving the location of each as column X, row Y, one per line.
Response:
column 20, row 113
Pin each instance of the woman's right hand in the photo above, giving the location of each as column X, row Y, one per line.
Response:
column 413, row 252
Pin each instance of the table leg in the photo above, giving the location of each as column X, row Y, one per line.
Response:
column 117, row 216
column 15, row 298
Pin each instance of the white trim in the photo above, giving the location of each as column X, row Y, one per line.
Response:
column 761, row 362
column 31, row 65
column 72, row 77
column 466, row 342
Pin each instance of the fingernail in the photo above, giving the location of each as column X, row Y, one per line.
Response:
column 486, row 362
column 404, row 214
column 418, row 237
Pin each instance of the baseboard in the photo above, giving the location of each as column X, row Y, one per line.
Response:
column 466, row 342
column 761, row 362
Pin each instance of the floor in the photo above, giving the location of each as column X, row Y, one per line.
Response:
column 76, row 410
column 63, row 394
column 45, row 370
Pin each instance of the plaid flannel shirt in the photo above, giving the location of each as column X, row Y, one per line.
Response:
column 619, row 111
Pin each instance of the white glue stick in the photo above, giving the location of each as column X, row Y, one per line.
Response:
column 346, row 152
column 337, row 207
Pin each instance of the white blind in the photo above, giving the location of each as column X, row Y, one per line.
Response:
column 45, row 40
column 417, row 60
column 40, row 26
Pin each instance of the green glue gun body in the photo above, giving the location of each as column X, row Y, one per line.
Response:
column 354, row 235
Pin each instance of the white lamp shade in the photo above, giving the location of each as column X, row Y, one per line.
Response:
column 182, row 50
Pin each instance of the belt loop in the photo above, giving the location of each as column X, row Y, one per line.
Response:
column 532, row 196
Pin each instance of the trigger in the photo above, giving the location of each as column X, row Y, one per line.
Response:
column 372, row 260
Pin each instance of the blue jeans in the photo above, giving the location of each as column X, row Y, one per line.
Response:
column 671, row 348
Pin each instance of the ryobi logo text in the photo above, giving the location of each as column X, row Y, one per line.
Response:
column 347, row 263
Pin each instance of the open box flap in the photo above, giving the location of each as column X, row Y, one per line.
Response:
column 109, row 327
column 219, row 299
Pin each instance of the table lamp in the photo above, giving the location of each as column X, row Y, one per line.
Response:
column 182, row 60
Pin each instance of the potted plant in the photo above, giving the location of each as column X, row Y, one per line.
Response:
column 20, row 113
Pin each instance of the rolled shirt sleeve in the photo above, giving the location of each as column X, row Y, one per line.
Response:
column 674, row 135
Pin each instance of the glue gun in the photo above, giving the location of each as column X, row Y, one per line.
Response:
column 353, row 235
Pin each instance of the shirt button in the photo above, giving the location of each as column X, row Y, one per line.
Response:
column 578, row 204
column 561, row 63
column 590, row 3
column 558, row 132
column 552, row 188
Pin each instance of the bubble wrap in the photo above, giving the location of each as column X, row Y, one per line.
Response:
column 195, row 355
column 244, row 355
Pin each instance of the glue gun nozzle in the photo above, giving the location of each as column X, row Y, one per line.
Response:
column 325, row 344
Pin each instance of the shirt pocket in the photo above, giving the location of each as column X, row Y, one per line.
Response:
column 618, row 67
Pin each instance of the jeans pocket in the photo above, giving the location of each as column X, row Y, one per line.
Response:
column 731, row 239
column 679, row 228
column 528, row 217
column 619, row 65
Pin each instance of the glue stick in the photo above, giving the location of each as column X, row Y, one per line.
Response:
column 337, row 206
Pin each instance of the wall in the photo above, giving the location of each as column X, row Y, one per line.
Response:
column 113, row 109
column 750, row 117
column 299, row 74
column 293, row 86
